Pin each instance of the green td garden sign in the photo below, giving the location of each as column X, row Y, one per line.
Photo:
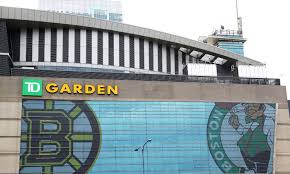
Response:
column 31, row 87
column 35, row 87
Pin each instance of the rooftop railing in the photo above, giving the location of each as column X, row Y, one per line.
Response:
column 144, row 77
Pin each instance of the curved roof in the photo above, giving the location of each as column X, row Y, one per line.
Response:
column 10, row 13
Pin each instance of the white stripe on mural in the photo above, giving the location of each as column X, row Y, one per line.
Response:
column 164, row 59
column 172, row 60
column 71, row 46
column 155, row 56
column 35, row 43
column 127, row 51
column 83, row 46
column 116, row 49
column 47, row 45
column 105, row 48
column 23, row 34
column 136, row 52
column 146, row 54
column 94, row 47
column 59, row 45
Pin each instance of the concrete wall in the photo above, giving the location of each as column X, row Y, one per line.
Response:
column 10, row 108
column 10, row 122
column 282, row 161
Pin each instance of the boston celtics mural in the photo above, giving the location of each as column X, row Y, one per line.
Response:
column 250, row 128
column 78, row 137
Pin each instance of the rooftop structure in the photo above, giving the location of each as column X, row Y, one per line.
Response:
column 230, row 40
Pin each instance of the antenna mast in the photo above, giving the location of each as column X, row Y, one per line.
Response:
column 239, row 19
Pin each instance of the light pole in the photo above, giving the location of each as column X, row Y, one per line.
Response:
column 142, row 149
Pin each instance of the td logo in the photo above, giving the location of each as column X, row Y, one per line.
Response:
column 31, row 87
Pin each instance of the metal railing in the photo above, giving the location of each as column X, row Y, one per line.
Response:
column 144, row 77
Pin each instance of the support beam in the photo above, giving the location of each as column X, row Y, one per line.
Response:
column 214, row 59
column 201, row 56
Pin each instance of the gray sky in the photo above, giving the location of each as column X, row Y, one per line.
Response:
column 265, row 23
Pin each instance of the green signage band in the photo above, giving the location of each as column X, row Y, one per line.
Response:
column 32, row 87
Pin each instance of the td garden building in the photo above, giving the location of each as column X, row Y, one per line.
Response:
column 80, row 95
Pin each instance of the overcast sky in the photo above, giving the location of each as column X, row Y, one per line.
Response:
column 265, row 23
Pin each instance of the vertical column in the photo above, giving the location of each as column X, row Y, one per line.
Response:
column 71, row 46
column 172, row 60
column 47, row 45
column 164, row 59
column 94, row 47
column 180, row 65
column 127, row 51
column 83, row 38
column 146, row 55
column 106, row 48
column 116, row 49
column 35, row 45
column 59, row 45
column 23, row 34
column 137, row 53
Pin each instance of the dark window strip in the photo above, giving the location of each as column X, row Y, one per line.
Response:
column 100, row 48
column 176, row 61
column 53, row 45
column 183, row 58
column 121, row 51
column 141, row 53
column 151, row 56
column 160, row 57
column 41, row 44
column 111, row 48
column 77, row 45
column 168, row 59
column 29, row 45
column 65, row 44
column 15, row 44
column 132, row 52
column 89, row 46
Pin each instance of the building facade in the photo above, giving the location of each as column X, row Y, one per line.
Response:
column 100, row 9
column 80, row 95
